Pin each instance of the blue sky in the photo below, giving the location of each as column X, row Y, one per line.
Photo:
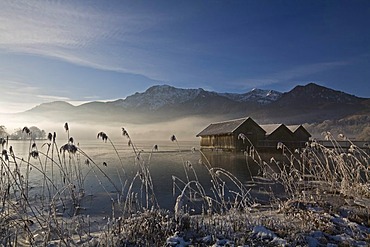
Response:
column 100, row 50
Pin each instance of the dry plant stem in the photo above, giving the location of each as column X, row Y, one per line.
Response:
column 182, row 159
column 143, row 173
column 120, row 160
column 105, row 137
column 93, row 162
column 24, row 196
column 119, row 157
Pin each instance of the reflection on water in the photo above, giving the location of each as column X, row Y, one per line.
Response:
column 249, row 168
column 168, row 162
column 239, row 164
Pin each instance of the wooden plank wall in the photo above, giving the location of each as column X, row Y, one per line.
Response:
column 218, row 142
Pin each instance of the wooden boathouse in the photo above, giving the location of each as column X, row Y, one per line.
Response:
column 225, row 135
column 241, row 134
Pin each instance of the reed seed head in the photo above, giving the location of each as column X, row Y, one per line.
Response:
column 66, row 126
column 26, row 130
column 70, row 148
column 2, row 141
column 103, row 136
column 34, row 154
column 241, row 136
column 125, row 133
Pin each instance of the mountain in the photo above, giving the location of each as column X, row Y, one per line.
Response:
column 157, row 97
column 313, row 103
column 310, row 104
column 316, row 95
column 256, row 95
column 53, row 106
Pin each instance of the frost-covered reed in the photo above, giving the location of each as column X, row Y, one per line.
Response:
column 226, row 213
column 316, row 167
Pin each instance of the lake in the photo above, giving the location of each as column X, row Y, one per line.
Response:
column 171, row 162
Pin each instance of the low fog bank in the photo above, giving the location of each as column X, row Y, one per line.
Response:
column 185, row 129
column 143, row 127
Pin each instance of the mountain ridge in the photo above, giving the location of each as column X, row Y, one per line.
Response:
column 189, row 110
column 303, row 104
column 159, row 96
column 313, row 103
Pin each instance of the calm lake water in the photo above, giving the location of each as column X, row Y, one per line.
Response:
column 163, row 165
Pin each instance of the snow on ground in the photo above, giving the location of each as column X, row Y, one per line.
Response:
column 304, row 223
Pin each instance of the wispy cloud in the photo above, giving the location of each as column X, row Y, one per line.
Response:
column 83, row 35
column 306, row 70
column 18, row 96
column 53, row 97
column 290, row 75
column 26, row 25
column 91, row 97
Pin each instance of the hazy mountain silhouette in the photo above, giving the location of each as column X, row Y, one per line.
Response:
column 311, row 103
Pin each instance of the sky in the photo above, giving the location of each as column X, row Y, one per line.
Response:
column 79, row 51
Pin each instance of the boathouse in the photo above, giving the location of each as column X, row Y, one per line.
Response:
column 226, row 135
column 300, row 134
column 240, row 134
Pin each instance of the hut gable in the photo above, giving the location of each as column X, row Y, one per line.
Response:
column 293, row 128
column 270, row 128
column 299, row 133
column 277, row 132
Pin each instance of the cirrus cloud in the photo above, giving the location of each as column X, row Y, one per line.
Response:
column 93, row 36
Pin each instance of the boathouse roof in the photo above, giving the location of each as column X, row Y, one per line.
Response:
column 294, row 128
column 270, row 128
column 225, row 127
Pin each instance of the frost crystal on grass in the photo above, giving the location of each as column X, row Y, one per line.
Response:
column 178, row 206
column 280, row 145
column 262, row 232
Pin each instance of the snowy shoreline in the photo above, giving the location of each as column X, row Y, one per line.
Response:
column 295, row 224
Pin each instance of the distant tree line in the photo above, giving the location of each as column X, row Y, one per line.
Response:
column 35, row 133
